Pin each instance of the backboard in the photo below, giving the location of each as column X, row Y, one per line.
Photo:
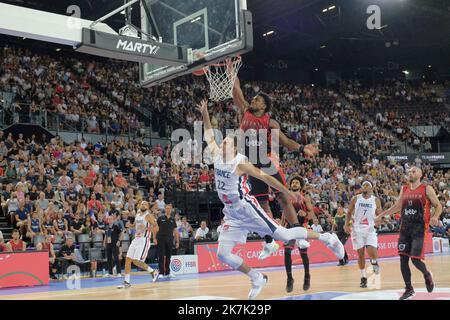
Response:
column 217, row 28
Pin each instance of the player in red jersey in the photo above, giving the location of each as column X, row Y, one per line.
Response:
column 305, row 212
column 414, row 205
column 257, row 127
column 16, row 244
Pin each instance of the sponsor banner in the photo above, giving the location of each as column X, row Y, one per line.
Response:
column 183, row 264
column 22, row 269
column 318, row 253
column 438, row 158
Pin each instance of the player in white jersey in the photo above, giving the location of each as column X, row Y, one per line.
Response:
column 243, row 214
column 145, row 225
column 363, row 209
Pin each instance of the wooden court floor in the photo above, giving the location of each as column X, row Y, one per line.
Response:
column 228, row 285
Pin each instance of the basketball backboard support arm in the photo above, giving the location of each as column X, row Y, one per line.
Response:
column 92, row 37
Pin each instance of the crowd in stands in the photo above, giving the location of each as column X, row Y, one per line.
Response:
column 90, row 95
column 63, row 190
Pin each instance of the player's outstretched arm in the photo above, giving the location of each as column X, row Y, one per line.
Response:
column 250, row 169
column 431, row 195
column 209, row 132
column 154, row 225
column 238, row 97
column 395, row 208
column 310, row 149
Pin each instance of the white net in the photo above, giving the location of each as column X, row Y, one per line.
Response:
column 221, row 78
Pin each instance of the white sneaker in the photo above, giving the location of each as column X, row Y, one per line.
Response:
column 336, row 246
column 171, row 275
column 106, row 275
column 268, row 250
column 376, row 268
column 118, row 275
column 155, row 274
column 257, row 286
column 125, row 285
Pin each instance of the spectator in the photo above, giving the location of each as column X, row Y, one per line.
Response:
column 76, row 226
column 3, row 247
column 112, row 245
column 161, row 203
column 220, row 228
column 316, row 227
column 185, row 228
column 48, row 246
column 16, row 244
column 60, row 224
column 202, row 232
column 21, row 218
column 34, row 226
column 66, row 256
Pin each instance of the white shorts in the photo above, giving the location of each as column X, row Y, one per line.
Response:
column 362, row 239
column 139, row 248
column 244, row 217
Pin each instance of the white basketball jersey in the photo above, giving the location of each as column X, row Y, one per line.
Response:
column 365, row 214
column 142, row 226
column 231, row 188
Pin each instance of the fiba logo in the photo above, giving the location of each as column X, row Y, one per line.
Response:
column 176, row 265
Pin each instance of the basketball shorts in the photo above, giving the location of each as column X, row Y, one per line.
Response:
column 259, row 189
column 245, row 217
column 411, row 241
column 364, row 239
column 139, row 248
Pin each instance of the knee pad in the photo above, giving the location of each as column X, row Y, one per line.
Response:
column 224, row 254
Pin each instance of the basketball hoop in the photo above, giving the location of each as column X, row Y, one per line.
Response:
column 221, row 77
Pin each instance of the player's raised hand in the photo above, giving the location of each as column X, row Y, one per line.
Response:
column 311, row 150
column 202, row 107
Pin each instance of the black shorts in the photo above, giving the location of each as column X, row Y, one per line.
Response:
column 260, row 190
column 411, row 241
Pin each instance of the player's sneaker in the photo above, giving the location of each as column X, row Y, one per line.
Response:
column 154, row 274
column 290, row 284
column 429, row 282
column 257, row 286
column 376, row 268
column 268, row 249
column 306, row 282
column 336, row 246
column 408, row 294
column 363, row 283
column 125, row 285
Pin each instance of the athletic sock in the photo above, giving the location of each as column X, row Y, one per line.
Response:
column 363, row 273
column 406, row 271
column 305, row 260
column 127, row 278
column 374, row 262
column 288, row 262
column 150, row 269
column 268, row 239
column 253, row 274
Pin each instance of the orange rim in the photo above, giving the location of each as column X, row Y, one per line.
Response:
column 202, row 71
